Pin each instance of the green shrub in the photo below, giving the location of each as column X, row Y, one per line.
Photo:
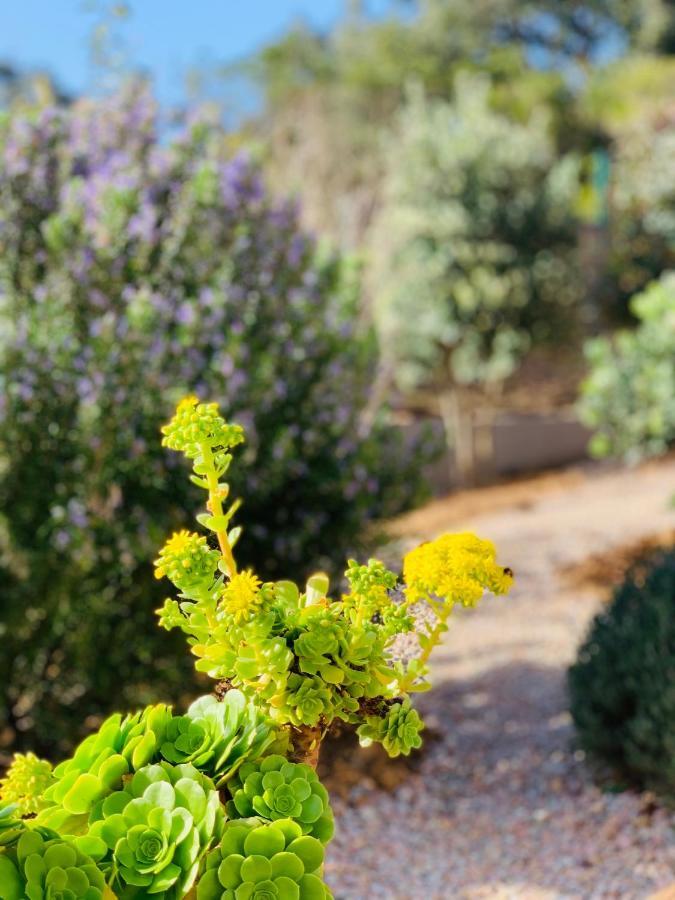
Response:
column 629, row 395
column 622, row 686
column 137, row 264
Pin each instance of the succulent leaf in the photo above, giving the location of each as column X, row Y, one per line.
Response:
column 267, row 861
column 274, row 788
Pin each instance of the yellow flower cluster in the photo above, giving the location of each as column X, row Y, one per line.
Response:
column 26, row 780
column 458, row 568
column 186, row 559
column 242, row 595
column 197, row 424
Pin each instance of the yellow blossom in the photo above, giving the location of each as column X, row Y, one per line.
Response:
column 187, row 403
column 242, row 595
column 186, row 559
column 197, row 425
column 178, row 541
column 458, row 568
column 26, row 780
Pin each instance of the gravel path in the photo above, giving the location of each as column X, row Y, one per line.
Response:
column 503, row 806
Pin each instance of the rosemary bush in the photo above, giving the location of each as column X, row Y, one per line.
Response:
column 224, row 802
column 131, row 256
column 621, row 686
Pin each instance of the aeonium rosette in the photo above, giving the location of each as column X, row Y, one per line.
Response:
column 274, row 788
column 260, row 861
column 154, row 833
column 40, row 867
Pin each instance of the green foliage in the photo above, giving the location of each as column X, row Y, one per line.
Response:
column 218, row 736
column 40, row 868
column 621, row 695
column 643, row 221
column 120, row 746
column 271, row 861
column 632, row 90
column 277, row 789
column 12, row 825
column 473, row 242
column 398, row 731
column 157, row 830
column 629, row 395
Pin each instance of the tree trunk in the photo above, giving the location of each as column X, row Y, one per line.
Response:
column 458, row 425
column 306, row 742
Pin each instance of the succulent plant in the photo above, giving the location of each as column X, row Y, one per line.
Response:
column 274, row 788
column 398, row 730
column 187, row 561
column 304, row 701
column 218, row 736
column 25, row 782
column 12, row 825
column 121, row 745
column 53, row 869
column 258, row 861
column 197, row 424
column 136, row 812
column 155, row 832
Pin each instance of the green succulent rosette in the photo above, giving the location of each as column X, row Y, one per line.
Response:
column 398, row 730
column 258, row 861
column 42, row 868
column 317, row 648
column 218, row 736
column 274, row 788
column 154, row 833
column 120, row 746
column 304, row 700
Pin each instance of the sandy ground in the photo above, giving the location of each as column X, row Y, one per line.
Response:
column 503, row 806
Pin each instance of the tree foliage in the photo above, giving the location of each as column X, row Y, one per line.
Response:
column 473, row 242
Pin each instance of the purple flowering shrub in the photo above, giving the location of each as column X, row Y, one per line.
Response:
column 137, row 265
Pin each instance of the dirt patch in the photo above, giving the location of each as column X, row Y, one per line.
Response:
column 520, row 493
column 604, row 571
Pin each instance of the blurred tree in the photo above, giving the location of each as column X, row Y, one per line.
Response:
column 328, row 98
column 473, row 244
column 632, row 102
column 28, row 88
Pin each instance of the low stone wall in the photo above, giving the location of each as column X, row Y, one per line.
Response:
column 506, row 443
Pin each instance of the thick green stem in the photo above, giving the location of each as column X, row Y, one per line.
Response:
column 215, row 506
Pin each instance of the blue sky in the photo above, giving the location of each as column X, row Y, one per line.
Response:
column 166, row 37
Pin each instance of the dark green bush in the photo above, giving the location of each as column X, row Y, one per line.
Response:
column 622, row 686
